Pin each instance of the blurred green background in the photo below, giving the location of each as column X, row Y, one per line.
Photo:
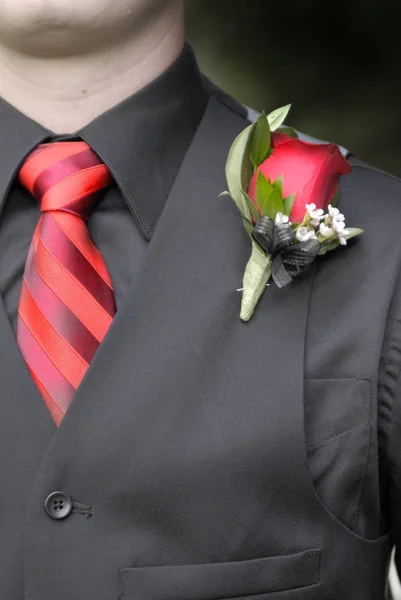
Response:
column 338, row 63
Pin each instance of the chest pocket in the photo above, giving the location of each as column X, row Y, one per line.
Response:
column 221, row 581
column 341, row 438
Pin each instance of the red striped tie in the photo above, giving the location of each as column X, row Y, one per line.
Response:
column 67, row 301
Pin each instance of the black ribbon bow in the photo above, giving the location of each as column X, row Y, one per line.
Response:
column 288, row 259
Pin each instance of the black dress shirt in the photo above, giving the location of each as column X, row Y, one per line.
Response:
column 142, row 140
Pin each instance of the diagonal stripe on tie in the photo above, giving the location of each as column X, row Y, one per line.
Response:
column 46, row 372
column 63, row 320
column 69, row 363
column 75, row 296
column 44, row 156
column 59, row 171
column 67, row 302
column 77, row 186
column 69, row 256
column 76, row 233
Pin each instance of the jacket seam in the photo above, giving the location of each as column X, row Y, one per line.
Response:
column 219, row 99
column 367, row 458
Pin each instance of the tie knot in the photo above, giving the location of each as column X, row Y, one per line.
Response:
column 65, row 176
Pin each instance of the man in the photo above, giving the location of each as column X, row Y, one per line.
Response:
column 151, row 444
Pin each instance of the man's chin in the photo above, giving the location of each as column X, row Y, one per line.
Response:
column 54, row 41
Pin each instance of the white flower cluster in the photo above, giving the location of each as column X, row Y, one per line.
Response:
column 334, row 222
column 333, row 225
column 303, row 234
column 316, row 214
column 280, row 218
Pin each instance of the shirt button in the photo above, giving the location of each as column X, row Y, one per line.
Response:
column 58, row 505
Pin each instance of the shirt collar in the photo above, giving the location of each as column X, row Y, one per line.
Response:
column 142, row 140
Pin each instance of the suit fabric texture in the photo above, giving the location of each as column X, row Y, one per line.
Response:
column 190, row 446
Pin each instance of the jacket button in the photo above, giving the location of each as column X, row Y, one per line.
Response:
column 58, row 505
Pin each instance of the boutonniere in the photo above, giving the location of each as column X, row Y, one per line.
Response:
column 286, row 191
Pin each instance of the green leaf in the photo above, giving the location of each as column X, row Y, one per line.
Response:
column 328, row 246
column 289, row 131
column 267, row 197
column 248, row 227
column 275, row 205
column 238, row 172
column 288, row 204
column 259, row 144
column 353, row 232
column 257, row 274
column 277, row 117
column 252, row 208
column 278, row 185
column 263, row 191
column 333, row 244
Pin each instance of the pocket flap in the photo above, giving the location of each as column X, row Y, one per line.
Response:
column 216, row 581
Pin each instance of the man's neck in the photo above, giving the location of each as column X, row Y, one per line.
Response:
column 64, row 94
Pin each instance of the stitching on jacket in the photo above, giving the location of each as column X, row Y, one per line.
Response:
column 221, row 100
column 122, row 575
column 315, row 554
column 337, row 435
column 366, row 402
column 365, row 473
column 82, row 509
column 269, row 593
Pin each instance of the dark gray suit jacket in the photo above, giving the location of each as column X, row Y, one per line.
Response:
column 187, row 451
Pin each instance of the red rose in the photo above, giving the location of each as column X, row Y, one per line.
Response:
column 310, row 171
